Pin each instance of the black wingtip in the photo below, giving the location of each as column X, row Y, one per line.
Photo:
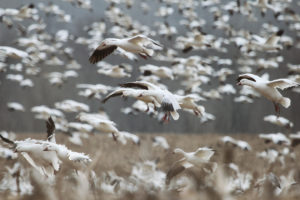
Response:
column 187, row 49
column 7, row 140
column 280, row 32
column 50, row 126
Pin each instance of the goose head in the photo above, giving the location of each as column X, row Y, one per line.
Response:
column 245, row 81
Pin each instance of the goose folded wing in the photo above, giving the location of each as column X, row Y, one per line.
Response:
column 101, row 52
column 283, row 84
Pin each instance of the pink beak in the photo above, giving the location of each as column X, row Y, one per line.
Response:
column 239, row 83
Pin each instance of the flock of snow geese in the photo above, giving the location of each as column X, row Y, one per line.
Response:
column 200, row 174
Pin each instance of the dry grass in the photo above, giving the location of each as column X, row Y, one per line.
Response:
column 109, row 155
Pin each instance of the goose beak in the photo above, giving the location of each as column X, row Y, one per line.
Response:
column 239, row 83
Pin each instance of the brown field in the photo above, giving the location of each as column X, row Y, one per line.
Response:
column 109, row 155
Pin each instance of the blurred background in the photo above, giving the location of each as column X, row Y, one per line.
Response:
column 147, row 16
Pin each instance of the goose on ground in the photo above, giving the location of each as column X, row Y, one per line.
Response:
column 138, row 44
column 269, row 88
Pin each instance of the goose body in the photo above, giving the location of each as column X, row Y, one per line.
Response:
column 268, row 89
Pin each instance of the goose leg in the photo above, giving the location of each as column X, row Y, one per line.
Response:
column 114, row 136
column 196, row 112
column 277, row 109
column 143, row 56
column 147, row 108
column 164, row 119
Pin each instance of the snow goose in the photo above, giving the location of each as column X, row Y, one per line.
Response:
column 100, row 123
column 198, row 158
column 239, row 143
column 6, row 51
column 135, row 93
column 91, row 90
column 139, row 44
column 72, row 106
column 267, row 44
column 15, row 106
column 276, row 138
column 269, row 88
column 279, row 121
column 160, row 141
column 165, row 98
column 160, row 71
column 47, row 163
column 188, row 102
column 115, row 72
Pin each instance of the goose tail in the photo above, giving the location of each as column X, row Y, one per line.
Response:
column 285, row 102
column 175, row 115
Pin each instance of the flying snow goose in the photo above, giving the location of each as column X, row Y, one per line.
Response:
column 190, row 159
column 160, row 71
column 47, row 163
column 15, row 106
column 6, row 51
column 165, row 98
column 267, row 44
column 139, row 44
column 72, row 106
column 269, row 88
column 188, row 102
column 100, row 123
column 239, row 143
column 115, row 72
column 160, row 141
column 131, row 92
column 279, row 121
column 276, row 138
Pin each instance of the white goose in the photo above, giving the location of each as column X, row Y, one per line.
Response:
column 165, row 98
column 190, row 159
column 138, row 44
column 269, row 88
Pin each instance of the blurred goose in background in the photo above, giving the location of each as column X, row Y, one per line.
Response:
column 138, row 44
column 188, row 102
column 14, row 106
column 160, row 71
column 115, row 72
column 279, row 121
column 267, row 44
column 91, row 90
column 100, row 123
column 239, row 143
column 198, row 158
column 160, row 141
column 72, row 106
column 276, row 138
column 11, row 52
column 44, row 112
column 269, row 88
